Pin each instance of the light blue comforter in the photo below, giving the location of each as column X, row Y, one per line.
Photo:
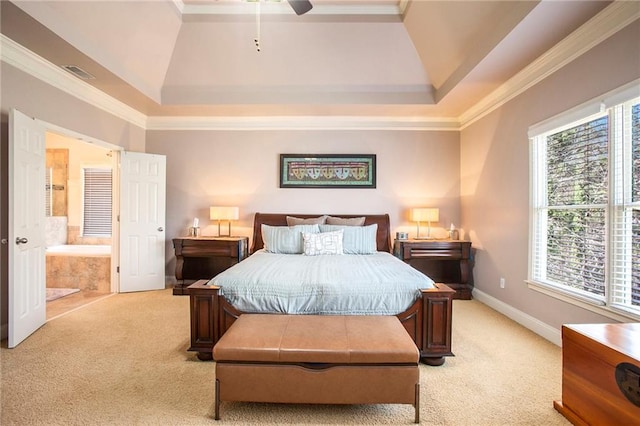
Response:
column 375, row 284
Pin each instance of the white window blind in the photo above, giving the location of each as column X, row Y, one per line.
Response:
column 585, row 207
column 625, row 229
column 97, row 202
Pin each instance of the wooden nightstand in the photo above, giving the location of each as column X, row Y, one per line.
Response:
column 444, row 261
column 205, row 257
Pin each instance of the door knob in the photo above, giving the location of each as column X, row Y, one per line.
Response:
column 160, row 229
column 21, row 240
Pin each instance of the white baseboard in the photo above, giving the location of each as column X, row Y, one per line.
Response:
column 545, row 330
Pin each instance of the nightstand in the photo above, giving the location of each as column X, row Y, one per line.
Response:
column 444, row 261
column 205, row 257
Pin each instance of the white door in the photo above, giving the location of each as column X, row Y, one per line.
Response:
column 142, row 221
column 27, row 294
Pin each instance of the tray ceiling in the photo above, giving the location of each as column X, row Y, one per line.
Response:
column 366, row 57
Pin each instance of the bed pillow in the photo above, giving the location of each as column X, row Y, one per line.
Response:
column 285, row 239
column 292, row 221
column 344, row 221
column 323, row 243
column 356, row 239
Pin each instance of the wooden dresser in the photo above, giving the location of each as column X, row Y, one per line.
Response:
column 444, row 261
column 600, row 374
column 205, row 257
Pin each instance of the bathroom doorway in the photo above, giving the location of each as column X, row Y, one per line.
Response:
column 79, row 187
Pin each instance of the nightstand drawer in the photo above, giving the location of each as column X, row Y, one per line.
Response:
column 205, row 257
column 208, row 250
column 444, row 261
column 412, row 253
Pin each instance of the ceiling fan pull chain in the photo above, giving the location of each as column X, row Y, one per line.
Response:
column 257, row 39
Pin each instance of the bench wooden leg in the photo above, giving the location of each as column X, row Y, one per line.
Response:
column 417, row 404
column 217, row 409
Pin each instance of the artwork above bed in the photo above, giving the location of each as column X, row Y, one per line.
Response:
column 327, row 171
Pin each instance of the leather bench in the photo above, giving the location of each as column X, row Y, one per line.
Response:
column 315, row 359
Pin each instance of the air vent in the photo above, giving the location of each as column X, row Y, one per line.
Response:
column 78, row 72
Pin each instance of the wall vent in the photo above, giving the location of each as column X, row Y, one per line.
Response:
column 78, row 72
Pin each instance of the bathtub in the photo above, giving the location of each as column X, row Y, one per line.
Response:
column 87, row 267
column 79, row 250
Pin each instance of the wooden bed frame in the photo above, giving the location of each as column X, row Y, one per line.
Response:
column 428, row 320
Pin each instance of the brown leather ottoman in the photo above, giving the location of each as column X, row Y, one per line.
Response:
column 315, row 359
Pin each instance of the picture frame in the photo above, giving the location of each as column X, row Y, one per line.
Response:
column 327, row 170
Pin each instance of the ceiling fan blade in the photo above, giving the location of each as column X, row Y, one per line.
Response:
column 300, row 7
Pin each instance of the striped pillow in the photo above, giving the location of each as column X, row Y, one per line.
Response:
column 285, row 239
column 356, row 239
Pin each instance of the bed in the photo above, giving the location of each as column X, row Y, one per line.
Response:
column 427, row 319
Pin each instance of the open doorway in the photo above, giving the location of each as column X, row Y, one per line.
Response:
column 79, row 222
column 138, row 197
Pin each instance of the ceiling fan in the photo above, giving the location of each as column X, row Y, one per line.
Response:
column 300, row 7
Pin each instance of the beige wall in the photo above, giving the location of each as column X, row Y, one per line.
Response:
column 495, row 173
column 240, row 168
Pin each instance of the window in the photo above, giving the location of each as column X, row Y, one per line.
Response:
column 585, row 205
column 97, row 202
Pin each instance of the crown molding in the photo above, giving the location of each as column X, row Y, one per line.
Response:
column 303, row 123
column 609, row 21
column 25, row 60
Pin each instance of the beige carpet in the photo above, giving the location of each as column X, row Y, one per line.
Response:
column 123, row 361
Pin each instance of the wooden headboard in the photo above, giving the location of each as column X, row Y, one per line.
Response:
column 383, row 237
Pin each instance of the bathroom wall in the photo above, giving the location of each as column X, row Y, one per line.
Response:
column 81, row 154
column 57, row 160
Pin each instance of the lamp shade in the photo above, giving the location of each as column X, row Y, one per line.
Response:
column 423, row 214
column 224, row 213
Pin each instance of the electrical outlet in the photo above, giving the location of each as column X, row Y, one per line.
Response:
column 502, row 283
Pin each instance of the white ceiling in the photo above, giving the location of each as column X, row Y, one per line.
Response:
column 364, row 57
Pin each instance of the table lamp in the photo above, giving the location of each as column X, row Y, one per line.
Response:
column 221, row 213
column 423, row 214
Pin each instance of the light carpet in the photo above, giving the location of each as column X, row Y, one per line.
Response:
column 57, row 293
column 123, row 361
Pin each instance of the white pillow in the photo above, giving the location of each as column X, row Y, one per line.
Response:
column 285, row 239
column 356, row 239
column 324, row 243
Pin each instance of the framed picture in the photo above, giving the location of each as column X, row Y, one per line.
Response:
column 327, row 171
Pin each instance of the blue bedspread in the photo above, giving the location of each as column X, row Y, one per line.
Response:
column 375, row 284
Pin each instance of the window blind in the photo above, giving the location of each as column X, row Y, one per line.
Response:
column 97, row 202
column 625, row 228
column 577, row 188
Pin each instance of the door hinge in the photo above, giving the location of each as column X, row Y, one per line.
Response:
column 117, row 269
